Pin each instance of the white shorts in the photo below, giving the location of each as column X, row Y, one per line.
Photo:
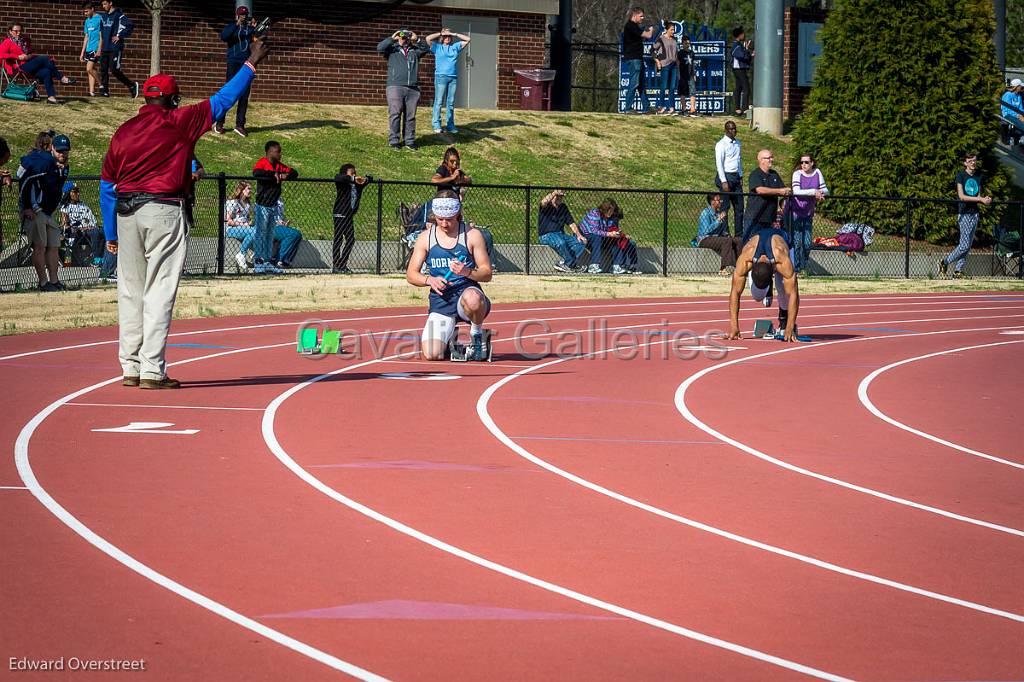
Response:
column 441, row 327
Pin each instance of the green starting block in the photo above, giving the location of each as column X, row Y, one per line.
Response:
column 331, row 342
column 308, row 344
column 763, row 329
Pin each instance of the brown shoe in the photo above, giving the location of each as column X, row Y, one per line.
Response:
column 166, row 382
column 130, row 380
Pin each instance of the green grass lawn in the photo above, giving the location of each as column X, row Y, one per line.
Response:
column 497, row 147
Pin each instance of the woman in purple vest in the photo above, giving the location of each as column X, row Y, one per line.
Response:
column 808, row 187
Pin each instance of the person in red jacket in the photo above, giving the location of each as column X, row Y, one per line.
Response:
column 16, row 53
column 269, row 173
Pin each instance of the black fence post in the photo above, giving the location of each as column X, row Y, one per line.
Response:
column 664, row 234
column 222, row 200
column 593, row 80
column 906, row 241
column 526, row 235
column 380, row 222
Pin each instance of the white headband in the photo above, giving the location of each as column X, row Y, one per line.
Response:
column 446, row 207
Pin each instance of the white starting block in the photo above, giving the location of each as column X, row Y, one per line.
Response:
column 459, row 352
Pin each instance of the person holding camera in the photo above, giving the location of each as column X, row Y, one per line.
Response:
column 350, row 190
column 238, row 37
column 143, row 188
column 403, row 51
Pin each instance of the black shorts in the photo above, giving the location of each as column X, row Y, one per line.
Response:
column 91, row 57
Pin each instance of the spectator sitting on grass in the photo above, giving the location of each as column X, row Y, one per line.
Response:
column 238, row 222
column 449, row 175
column 552, row 218
column 598, row 226
column 713, row 233
column 286, row 236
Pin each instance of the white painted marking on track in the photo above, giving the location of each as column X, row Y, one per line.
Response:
column 13, row 487
column 148, row 427
column 164, row 407
column 275, row 447
column 680, row 400
column 419, row 376
column 1012, row 333
column 490, row 425
column 862, row 394
column 710, row 348
column 28, row 476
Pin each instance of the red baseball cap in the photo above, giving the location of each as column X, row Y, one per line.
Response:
column 160, row 84
column 241, row 10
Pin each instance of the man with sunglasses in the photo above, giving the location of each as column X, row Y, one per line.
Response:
column 146, row 179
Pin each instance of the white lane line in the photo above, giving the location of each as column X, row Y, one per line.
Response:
column 862, row 393
column 874, row 301
column 279, row 452
column 13, row 487
column 28, row 476
column 26, row 473
column 680, row 400
column 171, row 407
column 490, row 425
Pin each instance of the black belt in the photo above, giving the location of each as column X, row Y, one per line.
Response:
column 130, row 202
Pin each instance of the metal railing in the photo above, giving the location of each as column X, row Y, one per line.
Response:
column 661, row 223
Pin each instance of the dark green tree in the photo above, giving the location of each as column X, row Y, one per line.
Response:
column 902, row 90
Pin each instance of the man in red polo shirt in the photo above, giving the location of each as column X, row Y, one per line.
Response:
column 146, row 178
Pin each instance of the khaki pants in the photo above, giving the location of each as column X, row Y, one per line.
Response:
column 150, row 255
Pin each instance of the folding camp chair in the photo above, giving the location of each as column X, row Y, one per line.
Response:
column 1006, row 252
column 18, row 86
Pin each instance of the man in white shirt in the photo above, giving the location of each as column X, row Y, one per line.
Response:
column 729, row 177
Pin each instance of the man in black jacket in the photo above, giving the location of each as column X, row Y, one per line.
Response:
column 350, row 190
column 238, row 37
column 115, row 26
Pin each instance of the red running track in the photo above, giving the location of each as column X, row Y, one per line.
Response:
column 591, row 517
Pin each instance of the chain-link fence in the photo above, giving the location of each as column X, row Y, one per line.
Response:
column 662, row 224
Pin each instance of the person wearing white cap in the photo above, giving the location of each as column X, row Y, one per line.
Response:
column 457, row 262
column 1012, row 97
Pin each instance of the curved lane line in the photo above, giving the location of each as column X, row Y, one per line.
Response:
column 26, row 473
column 490, row 425
column 680, row 400
column 275, row 447
column 28, row 477
column 862, row 393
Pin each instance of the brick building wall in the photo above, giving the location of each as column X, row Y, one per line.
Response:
column 324, row 50
column 793, row 96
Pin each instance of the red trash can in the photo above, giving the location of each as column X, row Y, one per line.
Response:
column 535, row 88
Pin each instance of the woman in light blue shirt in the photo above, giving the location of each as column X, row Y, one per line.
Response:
column 446, row 75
